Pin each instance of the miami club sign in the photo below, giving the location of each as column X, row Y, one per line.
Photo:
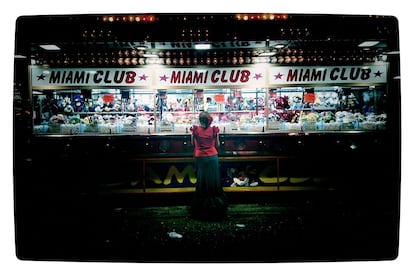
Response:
column 149, row 77
column 230, row 76
column 81, row 77
column 164, row 77
column 327, row 74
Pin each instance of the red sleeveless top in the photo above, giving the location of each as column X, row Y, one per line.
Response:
column 204, row 140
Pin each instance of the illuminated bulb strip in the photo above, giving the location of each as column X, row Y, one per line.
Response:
column 265, row 16
column 130, row 18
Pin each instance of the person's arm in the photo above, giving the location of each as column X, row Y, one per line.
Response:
column 192, row 129
column 216, row 131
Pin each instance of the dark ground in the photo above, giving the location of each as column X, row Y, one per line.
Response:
column 282, row 227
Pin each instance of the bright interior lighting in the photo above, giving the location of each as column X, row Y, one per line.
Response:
column 202, row 46
column 150, row 56
column 267, row 54
column 49, row 47
column 368, row 44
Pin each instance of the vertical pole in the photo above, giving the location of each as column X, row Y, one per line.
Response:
column 267, row 108
column 277, row 173
column 155, row 112
column 144, row 176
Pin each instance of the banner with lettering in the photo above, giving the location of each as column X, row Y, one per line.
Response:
column 149, row 77
column 80, row 77
column 282, row 75
column 222, row 77
column 159, row 77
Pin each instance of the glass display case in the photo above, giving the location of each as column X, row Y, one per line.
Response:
column 237, row 110
column 114, row 111
column 332, row 108
column 108, row 111
column 146, row 111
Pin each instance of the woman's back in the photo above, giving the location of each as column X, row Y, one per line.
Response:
column 204, row 140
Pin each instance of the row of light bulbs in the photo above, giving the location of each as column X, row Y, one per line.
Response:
column 153, row 18
column 189, row 35
column 149, row 18
column 284, row 52
column 215, row 61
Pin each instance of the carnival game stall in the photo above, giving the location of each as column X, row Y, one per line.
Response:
column 301, row 108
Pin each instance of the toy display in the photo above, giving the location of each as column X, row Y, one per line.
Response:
column 245, row 177
column 112, row 111
column 326, row 109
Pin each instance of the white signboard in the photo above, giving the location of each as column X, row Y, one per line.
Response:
column 201, row 77
column 282, row 75
column 42, row 77
column 223, row 77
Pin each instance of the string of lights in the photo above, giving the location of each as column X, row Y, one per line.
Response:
column 134, row 57
column 196, row 39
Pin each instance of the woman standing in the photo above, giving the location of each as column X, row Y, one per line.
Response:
column 209, row 199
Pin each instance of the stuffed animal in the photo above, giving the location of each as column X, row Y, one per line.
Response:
column 79, row 103
column 131, row 107
column 67, row 107
column 240, row 180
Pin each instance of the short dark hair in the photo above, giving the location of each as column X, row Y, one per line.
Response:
column 203, row 117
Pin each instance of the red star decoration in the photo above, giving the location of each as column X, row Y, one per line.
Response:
column 163, row 78
column 258, row 76
column 143, row 77
column 41, row 77
column 378, row 73
column 278, row 76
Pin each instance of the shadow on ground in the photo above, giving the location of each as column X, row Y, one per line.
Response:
column 298, row 228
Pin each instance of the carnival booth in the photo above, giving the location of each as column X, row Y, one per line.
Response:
column 303, row 107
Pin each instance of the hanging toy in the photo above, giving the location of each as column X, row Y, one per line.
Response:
column 79, row 103
column 67, row 107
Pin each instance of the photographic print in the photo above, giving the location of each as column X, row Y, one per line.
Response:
column 207, row 137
